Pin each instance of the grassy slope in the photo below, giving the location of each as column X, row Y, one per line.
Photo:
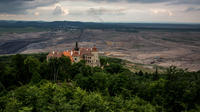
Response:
column 136, row 67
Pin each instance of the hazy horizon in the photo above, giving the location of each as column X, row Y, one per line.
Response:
column 107, row 22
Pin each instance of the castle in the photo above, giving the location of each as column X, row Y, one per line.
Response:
column 90, row 55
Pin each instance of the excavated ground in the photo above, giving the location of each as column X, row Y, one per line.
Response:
column 164, row 48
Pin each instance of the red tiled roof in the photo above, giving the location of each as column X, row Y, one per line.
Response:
column 66, row 53
column 94, row 49
column 55, row 54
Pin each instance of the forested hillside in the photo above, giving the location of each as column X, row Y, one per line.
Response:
column 28, row 83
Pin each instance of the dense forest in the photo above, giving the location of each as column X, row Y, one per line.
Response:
column 30, row 83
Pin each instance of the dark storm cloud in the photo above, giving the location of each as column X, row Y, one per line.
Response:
column 11, row 6
column 21, row 6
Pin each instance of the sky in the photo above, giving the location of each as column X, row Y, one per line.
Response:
column 136, row 11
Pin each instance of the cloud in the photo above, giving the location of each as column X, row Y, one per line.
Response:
column 134, row 1
column 21, row 6
column 97, row 13
column 188, row 2
column 105, row 11
column 162, row 11
column 153, row 1
column 59, row 10
column 192, row 9
column 36, row 13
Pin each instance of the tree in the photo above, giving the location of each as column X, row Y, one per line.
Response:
column 99, row 81
column 64, row 68
column 103, row 61
column 118, row 85
column 32, row 66
column 97, row 69
column 76, row 68
column 155, row 74
column 113, row 68
column 86, row 70
column 45, row 70
column 19, row 68
column 59, row 68
column 94, row 102
column 140, row 73
column 6, row 79
column 53, row 67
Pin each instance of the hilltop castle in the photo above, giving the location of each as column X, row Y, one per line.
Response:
column 90, row 55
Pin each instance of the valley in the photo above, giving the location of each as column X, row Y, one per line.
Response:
column 151, row 47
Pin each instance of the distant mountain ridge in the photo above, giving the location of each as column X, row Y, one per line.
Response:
column 93, row 25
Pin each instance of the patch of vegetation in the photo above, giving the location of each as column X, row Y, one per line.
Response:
column 8, row 58
column 22, row 30
column 30, row 83
column 130, row 30
column 137, row 68
column 137, row 46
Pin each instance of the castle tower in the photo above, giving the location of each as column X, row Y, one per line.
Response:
column 76, row 47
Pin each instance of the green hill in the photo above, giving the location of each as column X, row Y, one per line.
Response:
column 28, row 83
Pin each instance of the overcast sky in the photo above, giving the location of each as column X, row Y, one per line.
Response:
column 159, row 11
